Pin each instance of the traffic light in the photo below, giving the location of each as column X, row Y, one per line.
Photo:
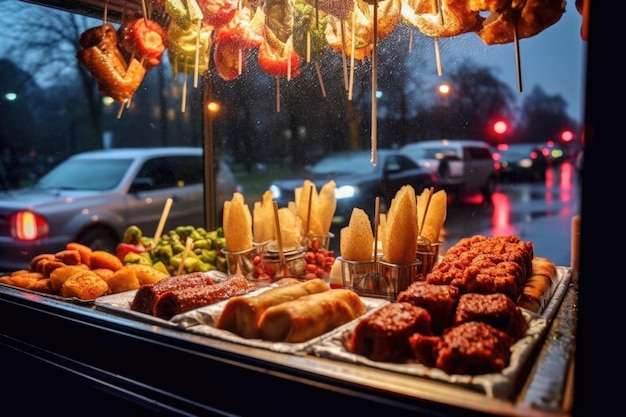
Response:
column 567, row 135
column 500, row 127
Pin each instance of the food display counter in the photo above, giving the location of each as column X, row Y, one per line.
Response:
column 87, row 356
column 76, row 358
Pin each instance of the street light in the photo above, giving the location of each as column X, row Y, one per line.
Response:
column 444, row 89
column 210, row 199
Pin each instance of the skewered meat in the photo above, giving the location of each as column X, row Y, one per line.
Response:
column 534, row 17
column 101, row 56
column 144, row 39
column 441, row 19
column 360, row 21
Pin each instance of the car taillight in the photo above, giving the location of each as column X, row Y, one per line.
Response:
column 26, row 225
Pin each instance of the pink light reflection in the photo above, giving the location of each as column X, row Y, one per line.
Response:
column 501, row 218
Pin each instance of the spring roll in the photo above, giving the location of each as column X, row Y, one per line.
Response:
column 241, row 314
column 310, row 316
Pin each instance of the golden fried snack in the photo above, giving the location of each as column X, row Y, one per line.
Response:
column 34, row 265
column 60, row 275
column 442, row 19
column 42, row 285
column 49, row 265
column 290, row 228
column 26, row 280
column 263, row 228
column 104, row 259
column 309, row 316
column 68, row 256
column 435, row 215
column 124, row 279
column 538, row 288
column 84, row 250
column 323, row 209
column 85, row 285
column 241, row 314
column 522, row 20
column 6, row 279
column 401, row 230
column 237, row 224
column 305, row 196
column 147, row 274
column 356, row 241
column 102, row 272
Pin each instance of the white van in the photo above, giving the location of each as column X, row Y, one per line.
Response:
column 462, row 166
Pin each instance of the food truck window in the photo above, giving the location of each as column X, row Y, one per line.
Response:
column 271, row 89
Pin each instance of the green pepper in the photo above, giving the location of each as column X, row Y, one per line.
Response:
column 132, row 235
column 202, row 244
column 164, row 251
column 208, row 256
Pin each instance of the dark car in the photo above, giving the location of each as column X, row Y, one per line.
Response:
column 92, row 197
column 521, row 162
column 358, row 181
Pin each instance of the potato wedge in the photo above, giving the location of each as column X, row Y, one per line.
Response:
column 147, row 274
column 237, row 224
column 435, row 216
column 307, row 195
column 356, row 241
column 124, row 279
column 323, row 210
column 290, row 227
column 263, row 228
column 401, row 230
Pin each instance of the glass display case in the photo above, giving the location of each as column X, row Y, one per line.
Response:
column 81, row 357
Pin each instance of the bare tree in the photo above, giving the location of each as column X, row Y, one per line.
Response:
column 43, row 43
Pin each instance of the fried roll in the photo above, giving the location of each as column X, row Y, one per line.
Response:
column 309, row 316
column 241, row 314
column 147, row 294
column 183, row 300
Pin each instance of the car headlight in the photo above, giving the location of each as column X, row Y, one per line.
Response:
column 346, row 191
column 275, row 191
column 525, row 163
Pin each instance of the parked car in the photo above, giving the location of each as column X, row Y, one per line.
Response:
column 94, row 196
column 358, row 181
column 521, row 162
column 463, row 166
column 553, row 153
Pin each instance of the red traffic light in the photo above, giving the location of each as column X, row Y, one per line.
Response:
column 500, row 127
column 567, row 135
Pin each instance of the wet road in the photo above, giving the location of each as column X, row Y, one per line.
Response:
column 538, row 212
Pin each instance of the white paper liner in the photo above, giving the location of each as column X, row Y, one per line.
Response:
column 202, row 321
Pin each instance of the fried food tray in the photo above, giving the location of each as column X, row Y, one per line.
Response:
column 202, row 320
column 498, row 385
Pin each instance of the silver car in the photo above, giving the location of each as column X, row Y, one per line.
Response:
column 94, row 196
column 462, row 166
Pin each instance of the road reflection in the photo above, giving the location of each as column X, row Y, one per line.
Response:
column 540, row 212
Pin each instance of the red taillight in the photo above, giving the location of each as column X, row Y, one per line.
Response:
column 27, row 225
